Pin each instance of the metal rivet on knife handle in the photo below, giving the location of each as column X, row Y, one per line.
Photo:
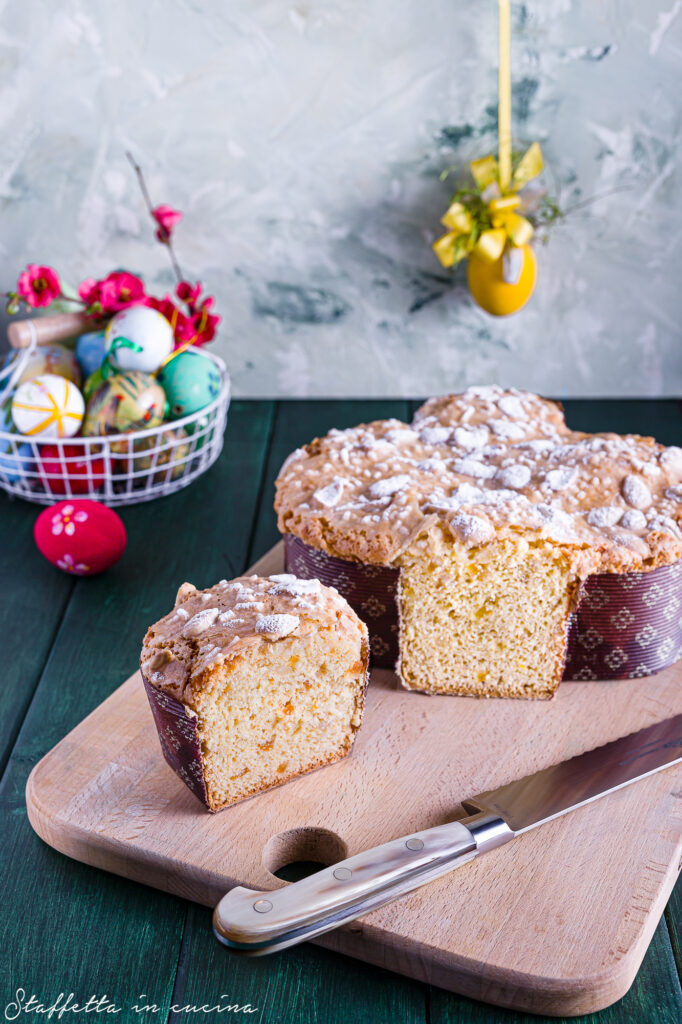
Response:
column 262, row 906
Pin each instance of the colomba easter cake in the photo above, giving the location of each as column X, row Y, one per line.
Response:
column 253, row 682
column 492, row 550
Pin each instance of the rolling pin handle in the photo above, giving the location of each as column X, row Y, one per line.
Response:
column 46, row 330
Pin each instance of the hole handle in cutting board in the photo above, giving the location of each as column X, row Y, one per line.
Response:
column 262, row 922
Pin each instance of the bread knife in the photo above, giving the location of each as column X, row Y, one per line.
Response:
column 256, row 923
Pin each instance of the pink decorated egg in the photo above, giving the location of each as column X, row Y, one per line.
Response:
column 81, row 537
column 68, row 469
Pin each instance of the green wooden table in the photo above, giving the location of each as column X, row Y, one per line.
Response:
column 67, row 643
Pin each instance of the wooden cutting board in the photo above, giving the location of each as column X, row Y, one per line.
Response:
column 556, row 922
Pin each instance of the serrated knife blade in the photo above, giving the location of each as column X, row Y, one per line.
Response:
column 261, row 922
column 538, row 798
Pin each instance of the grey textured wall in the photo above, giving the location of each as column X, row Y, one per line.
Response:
column 304, row 142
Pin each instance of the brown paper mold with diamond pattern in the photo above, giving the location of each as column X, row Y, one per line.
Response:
column 625, row 625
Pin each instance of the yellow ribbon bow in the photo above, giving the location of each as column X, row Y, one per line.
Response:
column 502, row 201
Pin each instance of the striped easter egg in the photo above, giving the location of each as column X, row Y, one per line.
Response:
column 48, row 406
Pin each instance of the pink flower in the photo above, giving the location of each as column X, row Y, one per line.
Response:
column 89, row 290
column 166, row 217
column 38, row 286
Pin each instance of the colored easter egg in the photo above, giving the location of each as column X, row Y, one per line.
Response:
column 125, row 402
column 92, row 383
column 54, row 359
column 491, row 291
column 6, row 422
column 69, row 468
column 80, row 536
column 191, row 381
column 139, row 338
column 90, row 351
column 167, row 451
column 48, row 406
column 15, row 462
column 200, row 430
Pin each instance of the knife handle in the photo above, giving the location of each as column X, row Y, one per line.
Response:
column 262, row 922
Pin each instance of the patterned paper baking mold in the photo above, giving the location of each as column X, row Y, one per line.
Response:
column 625, row 626
column 179, row 739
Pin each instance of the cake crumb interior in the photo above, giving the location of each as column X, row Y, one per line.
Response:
column 278, row 710
column 488, row 620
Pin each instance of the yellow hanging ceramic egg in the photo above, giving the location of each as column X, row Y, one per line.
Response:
column 490, row 290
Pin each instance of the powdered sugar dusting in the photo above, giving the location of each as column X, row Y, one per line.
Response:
column 277, row 626
column 634, row 520
column 470, row 439
column 511, row 406
column 557, row 479
column 201, row 621
column 636, row 492
column 329, row 496
column 507, row 431
column 435, row 435
column 390, row 486
column 472, row 467
column 471, row 528
column 608, row 515
column 514, row 476
column 506, row 457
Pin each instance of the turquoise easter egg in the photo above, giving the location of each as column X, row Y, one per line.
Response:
column 191, row 381
column 15, row 463
column 90, row 351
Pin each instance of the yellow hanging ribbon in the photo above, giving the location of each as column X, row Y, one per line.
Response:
column 504, row 133
column 495, row 177
column 508, row 226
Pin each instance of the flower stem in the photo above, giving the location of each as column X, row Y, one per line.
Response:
column 148, row 203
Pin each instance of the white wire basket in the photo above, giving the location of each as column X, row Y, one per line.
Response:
column 117, row 469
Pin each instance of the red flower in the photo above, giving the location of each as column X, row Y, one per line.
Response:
column 116, row 291
column 195, row 329
column 38, row 286
column 183, row 329
column 166, row 217
column 205, row 323
column 188, row 293
column 120, row 290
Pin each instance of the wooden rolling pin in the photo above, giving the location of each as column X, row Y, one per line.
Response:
column 49, row 329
